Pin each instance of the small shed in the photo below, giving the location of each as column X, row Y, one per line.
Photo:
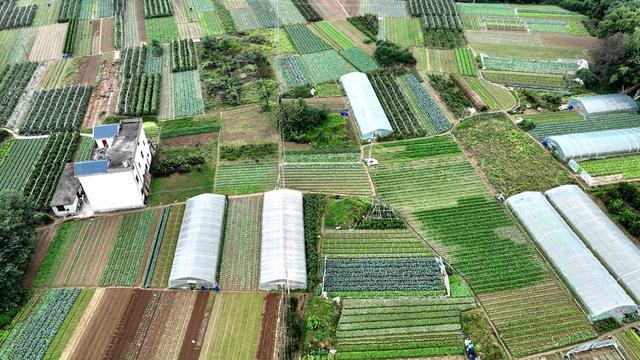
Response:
column 195, row 262
column 367, row 110
column 68, row 198
column 603, row 104
column 282, row 256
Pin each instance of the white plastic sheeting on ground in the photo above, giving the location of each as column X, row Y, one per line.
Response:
column 602, row 236
column 590, row 281
column 598, row 144
column 601, row 104
column 369, row 114
column 282, row 257
column 198, row 249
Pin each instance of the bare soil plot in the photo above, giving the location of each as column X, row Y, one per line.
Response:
column 355, row 35
column 246, row 124
column 332, row 104
column 48, row 43
column 104, row 96
column 90, row 341
column 330, row 9
column 269, row 327
column 568, row 41
column 175, row 326
column 51, row 74
column 88, row 256
column 352, row 7
column 194, row 335
column 142, row 33
column 88, row 69
column 45, row 235
column 106, row 35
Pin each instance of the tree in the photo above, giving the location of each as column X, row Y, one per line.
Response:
column 389, row 54
column 589, row 79
column 625, row 19
column 296, row 118
column 156, row 48
column 617, row 60
column 265, row 92
column 17, row 242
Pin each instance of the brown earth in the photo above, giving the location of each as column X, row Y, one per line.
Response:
column 95, row 338
column 106, row 35
column 355, row 35
column 149, row 334
column 49, row 42
column 568, row 41
column 88, row 68
column 127, row 325
column 330, row 9
column 45, row 236
column 351, row 6
column 269, row 327
column 246, row 124
column 333, row 104
column 189, row 140
column 175, row 326
column 95, row 41
column 192, row 342
column 142, row 32
column 104, row 96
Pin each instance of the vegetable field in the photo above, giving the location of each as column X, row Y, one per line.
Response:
column 304, row 40
column 561, row 66
column 157, row 8
column 545, row 81
column 435, row 60
column 359, row 59
column 496, row 97
column 630, row 342
column 626, row 166
column 329, row 33
column 18, row 165
column 401, row 328
column 164, row 257
column 187, row 99
column 163, row 29
column 465, row 62
column 401, row 274
column 325, row 66
column 401, row 115
column 183, row 55
column 331, row 178
column 57, row 110
column 245, row 177
column 369, row 244
column 291, row 71
column 241, row 249
column 384, row 8
column 404, row 32
column 15, row 78
column 424, row 105
column 596, row 123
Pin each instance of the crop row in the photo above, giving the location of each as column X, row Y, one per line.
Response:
column 31, row 339
column 157, row 8
column 469, row 92
column 596, row 123
column 186, row 97
column 438, row 7
column 304, row 40
column 325, row 66
column 46, row 171
column 305, row 8
column 18, row 165
column 13, row 16
column 86, row 149
column 359, row 59
column 70, row 37
column 291, row 71
column 465, row 62
column 57, row 110
column 545, row 81
column 69, row 9
column 372, row 244
column 133, row 66
column 246, row 177
column 436, row 119
column 155, row 248
column 333, row 36
column 494, row 96
column 336, row 178
column 529, row 65
column 128, row 250
column 403, row 119
column 15, row 79
column 441, row 22
column 382, row 274
column 5, row 150
column 183, row 55
column 627, row 166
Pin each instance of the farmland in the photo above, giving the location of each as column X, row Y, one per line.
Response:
column 325, row 66
column 496, row 97
column 245, row 177
column 369, row 244
column 17, row 167
column 332, row 178
column 329, row 33
column 404, row 32
column 57, row 110
column 575, row 125
column 14, row 80
column 545, row 81
column 305, row 41
column 164, row 257
column 402, row 117
column 241, row 249
column 627, row 166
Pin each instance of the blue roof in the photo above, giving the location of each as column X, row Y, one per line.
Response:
column 91, row 167
column 105, row 131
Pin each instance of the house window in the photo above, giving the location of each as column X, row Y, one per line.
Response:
column 61, row 208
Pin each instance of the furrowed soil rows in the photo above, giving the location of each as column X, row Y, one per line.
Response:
column 269, row 327
column 127, row 325
column 48, row 43
column 106, row 35
column 104, row 96
column 45, row 235
column 175, row 326
column 167, row 247
column 330, row 9
column 88, row 69
column 194, row 335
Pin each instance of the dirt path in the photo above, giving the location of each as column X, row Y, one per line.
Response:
column 269, row 327
column 45, row 236
column 192, row 342
column 104, row 96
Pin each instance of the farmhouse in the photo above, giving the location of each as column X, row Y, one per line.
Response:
column 118, row 176
column 600, row 234
column 282, row 256
column 602, row 104
column 69, row 196
column 590, row 281
column 596, row 145
column 367, row 110
column 195, row 263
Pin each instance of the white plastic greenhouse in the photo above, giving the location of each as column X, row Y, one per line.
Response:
column 369, row 115
column 590, row 281
column 595, row 145
column 602, row 236
column 282, row 257
column 195, row 262
column 602, row 104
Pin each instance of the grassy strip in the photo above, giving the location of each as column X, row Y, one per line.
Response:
column 64, row 238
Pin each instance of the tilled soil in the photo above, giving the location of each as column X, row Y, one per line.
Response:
column 333, row 104
column 88, row 69
column 106, row 35
column 142, row 32
column 192, row 342
column 568, row 41
column 104, row 96
column 127, row 327
column 269, row 327
column 45, row 236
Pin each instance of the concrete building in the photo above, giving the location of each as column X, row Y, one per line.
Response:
column 69, row 196
column 118, row 176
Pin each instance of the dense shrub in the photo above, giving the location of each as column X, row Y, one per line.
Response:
column 249, row 151
column 314, row 205
column 176, row 164
column 296, row 118
column 451, row 94
column 368, row 24
column 623, row 202
column 389, row 54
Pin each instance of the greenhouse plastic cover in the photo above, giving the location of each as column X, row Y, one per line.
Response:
column 370, row 117
column 198, row 249
column 282, row 257
column 591, row 282
column 599, row 104
column 598, row 144
column 602, row 236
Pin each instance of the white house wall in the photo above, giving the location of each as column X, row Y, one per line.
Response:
column 113, row 191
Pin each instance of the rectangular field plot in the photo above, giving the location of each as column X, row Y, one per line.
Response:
column 304, row 40
column 241, row 249
column 57, row 110
column 359, row 59
column 291, row 71
column 162, row 29
column 435, row 60
column 401, row 274
column 330, row 9
column 210, row 23
column 552, row 117
column 326, row 66
column 544, row 81
column 164, row 257
column 242, row 15
column 233, row 326
column 187, row 99
column 596, row 123
column 248, row 177
column 8, row 40
column 332, row 35
column 48, row 43
column 17, row 166
column 503, row 37
column 384, row 8
column 404, row 32
column 332, row 178
column 552, row 318
column 496, row 97
column 627, row 167
column 406, row 327
column 354, row 244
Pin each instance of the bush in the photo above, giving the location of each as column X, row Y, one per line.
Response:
column 606, row 325
column 527, row 125
column 298, row 92
column 249, row 152
column 455, row 99
column 314, row 205
column 4, row 135
column 368, row 24
column 589, row 79
column 389, row 54
column 181, row 164
column 296, row 118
